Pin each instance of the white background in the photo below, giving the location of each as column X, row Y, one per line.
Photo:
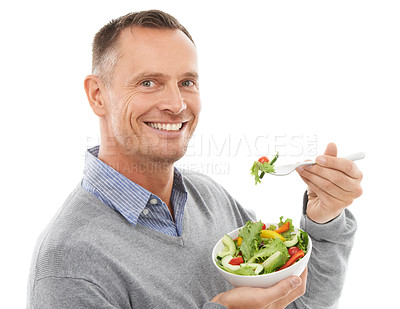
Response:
column 290, row 76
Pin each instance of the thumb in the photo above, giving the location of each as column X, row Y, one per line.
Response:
column 283, row 288
column 331, row 150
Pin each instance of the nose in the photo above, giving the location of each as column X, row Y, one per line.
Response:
column 172, row 100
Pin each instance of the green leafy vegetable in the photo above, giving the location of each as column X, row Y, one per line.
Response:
column 245, row 271
column 259, row 169
column 257, row 255
column 303, row 241
column 269, row 248
column 250, row 234
column 278, row 259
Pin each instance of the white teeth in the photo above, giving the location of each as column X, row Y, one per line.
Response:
column 166, row 127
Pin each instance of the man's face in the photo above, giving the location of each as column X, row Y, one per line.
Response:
column 153, row 102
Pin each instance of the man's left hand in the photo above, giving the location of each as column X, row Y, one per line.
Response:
column 333, row 184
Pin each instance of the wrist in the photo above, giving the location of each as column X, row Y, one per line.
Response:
column 323, row 218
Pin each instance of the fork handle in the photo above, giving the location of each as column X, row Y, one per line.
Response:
column 355, row 156
column 352, row 157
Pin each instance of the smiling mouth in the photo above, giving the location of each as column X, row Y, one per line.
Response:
column 166, row 126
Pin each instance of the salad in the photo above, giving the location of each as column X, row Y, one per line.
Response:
column 259, row 249
column 263, row 166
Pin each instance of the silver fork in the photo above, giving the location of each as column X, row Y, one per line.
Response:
column 287, row 169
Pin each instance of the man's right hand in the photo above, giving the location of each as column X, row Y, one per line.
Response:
column 275, row 297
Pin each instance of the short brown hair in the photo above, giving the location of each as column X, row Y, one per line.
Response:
column 105, row 44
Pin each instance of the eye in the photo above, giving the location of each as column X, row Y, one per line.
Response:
column 147, row 83
column 187, row 83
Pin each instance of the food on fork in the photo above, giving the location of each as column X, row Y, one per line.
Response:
column 263, row 166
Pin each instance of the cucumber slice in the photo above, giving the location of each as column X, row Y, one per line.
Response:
column 275, row 261
column 257, row 267
column 229, row 248
column 293, row 240
column 225, row 263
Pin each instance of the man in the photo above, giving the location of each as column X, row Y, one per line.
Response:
column 138, row 233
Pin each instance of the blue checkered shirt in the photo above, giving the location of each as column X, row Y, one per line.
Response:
column 136, row 204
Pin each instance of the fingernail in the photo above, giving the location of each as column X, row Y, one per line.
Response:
column 300, row 169
column 321, row 160
column 295, row 281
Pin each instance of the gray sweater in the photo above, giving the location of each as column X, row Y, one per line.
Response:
column 91, row 257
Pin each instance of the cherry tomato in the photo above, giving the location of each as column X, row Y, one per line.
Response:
column 293, row 250
column 236, row 260
column 263, row 159
column 263, row 226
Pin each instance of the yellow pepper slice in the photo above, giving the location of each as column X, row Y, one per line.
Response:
column 271, row 234
column 239, row 240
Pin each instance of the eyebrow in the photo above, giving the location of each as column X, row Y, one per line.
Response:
column 136, row 77
column 191, row 74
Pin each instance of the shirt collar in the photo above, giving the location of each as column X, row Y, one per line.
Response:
column 126, row 196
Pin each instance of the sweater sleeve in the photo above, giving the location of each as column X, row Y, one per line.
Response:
column 332, row 244
column 61, row 292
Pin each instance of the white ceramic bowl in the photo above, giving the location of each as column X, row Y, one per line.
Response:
column 261, row 281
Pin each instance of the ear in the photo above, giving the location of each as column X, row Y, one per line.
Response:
column 94, row 91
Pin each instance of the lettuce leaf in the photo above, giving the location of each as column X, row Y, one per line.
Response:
column 303, row 241
column 269, row 249
column 258, row 170
column 260, row 167
column 245, row 271
column 250, row 234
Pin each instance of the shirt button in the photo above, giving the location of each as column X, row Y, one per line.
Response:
column 153, row 201
column 145, row 211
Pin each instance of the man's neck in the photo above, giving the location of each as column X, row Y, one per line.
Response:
column 155, row 177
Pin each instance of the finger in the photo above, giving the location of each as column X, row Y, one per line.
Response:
column 335, row 179
column 341, row 164
column 303, row 276
column 301, row 167
column 324, row 196
column 281, row 290
column 294, row 294
column 302, row 288
column 323, row 184
column 339, row 201
column 331, row 150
